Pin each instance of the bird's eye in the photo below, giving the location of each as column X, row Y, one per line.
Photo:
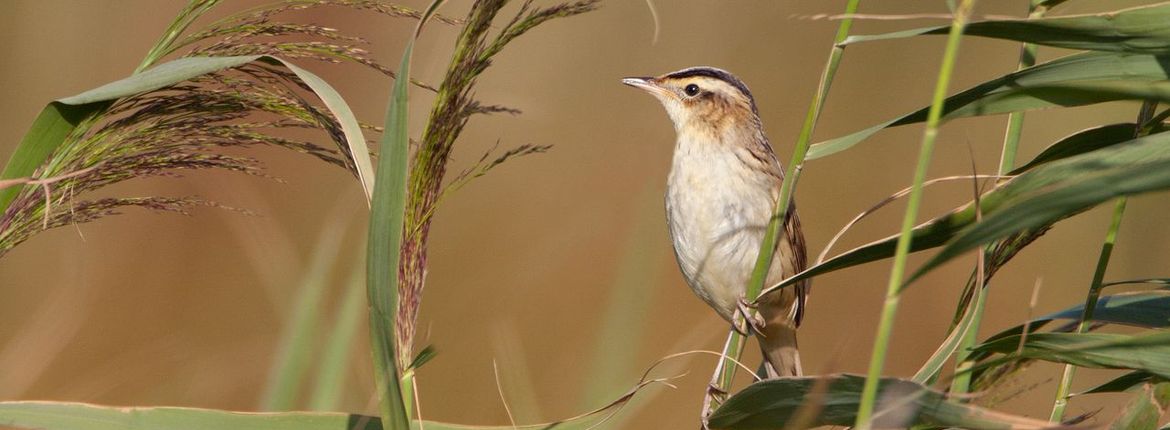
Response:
column 691, row 90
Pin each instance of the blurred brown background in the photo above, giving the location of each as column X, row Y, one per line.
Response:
column 150, row 309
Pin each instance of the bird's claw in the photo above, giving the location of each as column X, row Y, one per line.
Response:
column 752, row 322
column 713, row 389
column 713, row 398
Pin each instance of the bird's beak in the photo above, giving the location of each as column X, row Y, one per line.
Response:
column 647, row 84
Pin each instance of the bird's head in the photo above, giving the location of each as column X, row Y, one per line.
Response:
column 702, row 99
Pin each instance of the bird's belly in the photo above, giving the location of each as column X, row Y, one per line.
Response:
column 716, row 224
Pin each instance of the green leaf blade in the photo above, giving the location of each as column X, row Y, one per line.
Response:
column 384, row 250
column 1075, row 80
column 1144, row 30
column 1145, row 352
column 50, row 128
column 1052, row 190
column 774, row 403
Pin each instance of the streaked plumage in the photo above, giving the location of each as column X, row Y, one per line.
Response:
column 723, row 184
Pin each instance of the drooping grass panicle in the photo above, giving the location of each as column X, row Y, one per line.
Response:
column 454, row 104
column 189, row 125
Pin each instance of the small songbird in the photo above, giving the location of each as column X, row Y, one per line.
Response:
column 722, row 189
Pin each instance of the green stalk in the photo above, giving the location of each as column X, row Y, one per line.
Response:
column 1007, row 160
column 1062, row 389
column 1066, row 377
column 1011, row 140
column 768, row 247
column 894, row 288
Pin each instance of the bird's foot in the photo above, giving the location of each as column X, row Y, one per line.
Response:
column 714, row 397
column 752, row 321
column 714, row 389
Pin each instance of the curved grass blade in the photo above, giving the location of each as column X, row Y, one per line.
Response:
column 1147, row 309
column 1143, row 30
column 1075, row 80
column 1123, row 383
column 930, row 370
column 1064, row 189
column 55, row 122
column 1081, row 142
column 772, row 403
column 384, row 246
column 60, row 117
column 1049, row 192
column 1145, row 352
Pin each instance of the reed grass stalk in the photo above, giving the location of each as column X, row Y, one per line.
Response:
column 1069, row 372
column 1066, row 377
column 1007, row 160
column 897, row 272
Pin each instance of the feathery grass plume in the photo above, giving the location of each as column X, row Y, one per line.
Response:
column 188, row 125
column 452, row 108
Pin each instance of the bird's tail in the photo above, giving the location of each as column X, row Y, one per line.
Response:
column 778, row 342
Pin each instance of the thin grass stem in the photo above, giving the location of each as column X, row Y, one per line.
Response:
column 894, row 288
column 1007, row 160
column 1066, row 377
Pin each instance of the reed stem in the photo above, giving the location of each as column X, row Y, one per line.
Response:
column 897, row 272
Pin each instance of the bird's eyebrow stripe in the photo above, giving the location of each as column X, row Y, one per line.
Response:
column 712, row 73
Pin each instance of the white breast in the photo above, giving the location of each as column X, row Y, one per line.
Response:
column 717, row 212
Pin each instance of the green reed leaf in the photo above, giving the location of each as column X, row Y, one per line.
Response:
column 1075, row 80
column 1144, row 30
column 1123, row 383
column 55, row 122
column 773, row 403
column 1147, row 351
column 1147, row 309
column 1046, row 193
column 384, row 246
column 1081, row 142
column 1061, row 189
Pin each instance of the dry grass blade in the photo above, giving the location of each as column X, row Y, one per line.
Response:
column 654, row 17
column 500, row 391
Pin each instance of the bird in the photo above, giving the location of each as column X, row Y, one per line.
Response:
column 722, row 189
